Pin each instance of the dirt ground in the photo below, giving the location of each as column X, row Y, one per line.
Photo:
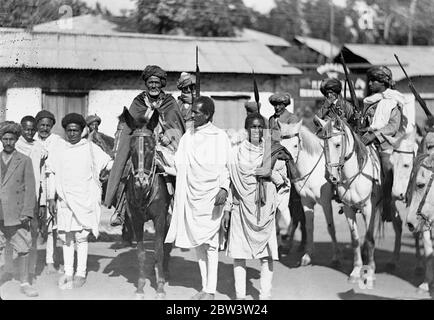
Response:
column 113, row 272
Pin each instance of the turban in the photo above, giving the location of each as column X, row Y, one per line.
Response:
column 251, row 106
column 185, row 80
column 155, row 71
column 93, row 118
column 429, row 140
column 331, row 84
column 10, row 127
column 73, row 118
column 279, row 98
column 381, row 74
column 45, row 114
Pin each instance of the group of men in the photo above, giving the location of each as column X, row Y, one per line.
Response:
column 46, row 194
column 220, row 189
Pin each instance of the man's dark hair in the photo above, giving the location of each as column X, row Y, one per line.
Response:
column 207, row 105
column 251, row 117
column 28, row 119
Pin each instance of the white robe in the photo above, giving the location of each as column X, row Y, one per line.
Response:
column 201, row 170
column 248, row 237
column 34, row 150
column 74, row 175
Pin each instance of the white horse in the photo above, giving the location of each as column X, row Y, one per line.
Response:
column 402, row 160
column 308, row 163
column 355, row 171
column 421, row 209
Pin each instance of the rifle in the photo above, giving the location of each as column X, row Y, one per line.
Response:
column 355, row 101
column 42, row 223
column 413, row 90
column 256, row 91
column 197, row 73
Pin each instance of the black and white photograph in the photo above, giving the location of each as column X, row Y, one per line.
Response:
column 233, row 151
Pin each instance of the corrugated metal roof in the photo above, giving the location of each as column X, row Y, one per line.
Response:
column 417, row 60
column 98, row 24
column 321, row 46
column 262, row 37
column 134, row 51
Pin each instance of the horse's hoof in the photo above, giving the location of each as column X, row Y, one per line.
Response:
column 305, row 261
column 353, row 279
column 423, row 288
column 140, row 296
column 419, row 271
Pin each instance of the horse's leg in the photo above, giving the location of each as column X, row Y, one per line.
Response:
column 308, row 206
column 137, row 224
column 428, row 253
column 397, row 227
column 350, row 216
column 160, row 228
column 369, row 212
column 326, row 207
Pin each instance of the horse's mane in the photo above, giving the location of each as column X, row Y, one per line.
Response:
column 310, row 142
column 421, row 159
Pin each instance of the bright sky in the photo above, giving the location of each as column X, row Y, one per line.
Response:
column 263, row 6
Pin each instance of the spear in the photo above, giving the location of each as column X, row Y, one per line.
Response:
column 197, row 73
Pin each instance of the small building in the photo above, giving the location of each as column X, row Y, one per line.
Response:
column 64, row 67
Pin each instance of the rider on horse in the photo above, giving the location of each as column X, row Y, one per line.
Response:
column 383, row 123
column 164, row 118
column 335, row 106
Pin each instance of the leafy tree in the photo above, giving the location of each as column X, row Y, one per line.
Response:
column 191, row 17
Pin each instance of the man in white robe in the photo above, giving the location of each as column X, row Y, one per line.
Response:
column 75, row 195
column 37, row 153
column 202, row 183
column 45, row 121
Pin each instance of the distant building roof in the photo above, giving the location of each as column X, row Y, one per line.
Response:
column 321, row 46
column 134, row 51
column 417, row 60
column 262, row 37
column 85, row 24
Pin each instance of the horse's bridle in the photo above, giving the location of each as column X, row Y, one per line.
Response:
column 342, row 157
column 141, row 173
column 427, row 222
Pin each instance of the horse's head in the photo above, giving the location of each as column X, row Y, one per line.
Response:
column 421, row 197
column 290, row 138
column 402, row 160
column 337, row 146
column 142, row 150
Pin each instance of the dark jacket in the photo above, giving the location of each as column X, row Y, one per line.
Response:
column 341, row 109
column 17, row 191
column 170, row 118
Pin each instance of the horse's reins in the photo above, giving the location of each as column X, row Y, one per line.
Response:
column 427, row 222
column 294, row 163
column 141, row 173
